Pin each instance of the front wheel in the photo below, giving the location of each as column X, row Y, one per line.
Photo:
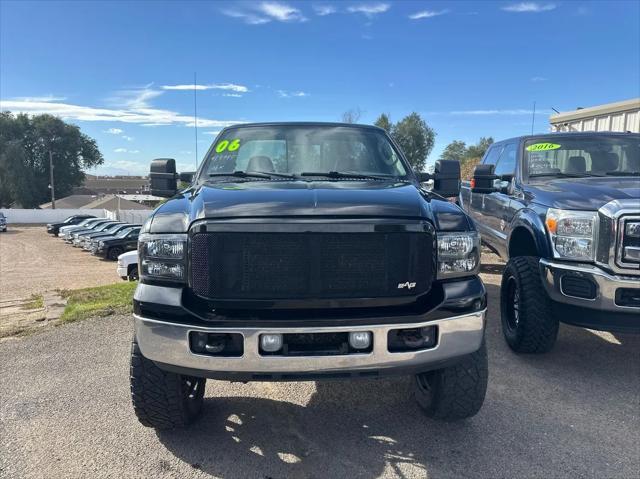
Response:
column 133, row 273
column 456, row 392
column 114, row 252
column 161, row 399
column 528, row 322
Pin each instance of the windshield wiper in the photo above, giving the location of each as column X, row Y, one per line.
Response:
column 564, row 175
column 339, row 174
column 273, row 173
column 243, row 174
column 623, row 173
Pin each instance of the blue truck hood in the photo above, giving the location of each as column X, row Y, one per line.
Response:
column 583, row 193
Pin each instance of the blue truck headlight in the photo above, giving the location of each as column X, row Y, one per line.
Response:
column 163, row 257
column 572, row 233
column 458, row 254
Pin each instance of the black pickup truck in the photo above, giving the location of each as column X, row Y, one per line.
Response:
column 304, row 251
column 564, row 209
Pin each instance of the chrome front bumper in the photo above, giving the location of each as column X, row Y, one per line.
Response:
column 168, row 343
column 606, row 286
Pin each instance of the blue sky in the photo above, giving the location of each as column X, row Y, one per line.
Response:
column 472, row 69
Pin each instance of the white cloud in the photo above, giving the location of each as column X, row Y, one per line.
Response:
column 214, row 133
column 427, row 14
column 115, row 131
column 213, row 86
column 145, row 116
column 45, row 98
column 538, row 79
column 529, row 7
column 281, row 12
column 289, row 94
column 369, row 9
column 265, row 12
column 128, row 138
column 323, row 10
column 124, row 150
column 232, row 95
column 496, row 112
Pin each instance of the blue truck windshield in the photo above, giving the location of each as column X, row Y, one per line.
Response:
column 597, row 155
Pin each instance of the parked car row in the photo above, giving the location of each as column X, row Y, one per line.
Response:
column 3, row 222
column 101, row 237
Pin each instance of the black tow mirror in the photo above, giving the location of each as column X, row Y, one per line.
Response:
column 446, row 178
column 163, row 178
column 483, row 179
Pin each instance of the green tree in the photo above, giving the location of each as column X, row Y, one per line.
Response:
column 479, row 149
column 415, row 138
column 25, row 145
column 456, row 150
column 384, row 122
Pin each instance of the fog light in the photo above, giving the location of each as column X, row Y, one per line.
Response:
column 270, row 343
column 360, row 339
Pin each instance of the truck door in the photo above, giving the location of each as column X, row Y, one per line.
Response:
column 476, row 207
column 497, row 213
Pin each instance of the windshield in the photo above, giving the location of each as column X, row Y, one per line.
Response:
column 294, row 150
column 126, row 231
column 596, row 155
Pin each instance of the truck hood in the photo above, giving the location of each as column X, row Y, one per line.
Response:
column 583, row 193
column 296, row 198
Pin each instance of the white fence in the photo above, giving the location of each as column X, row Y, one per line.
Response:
column 24, row 216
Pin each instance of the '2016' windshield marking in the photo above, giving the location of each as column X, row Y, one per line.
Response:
column 227, row 145
column 543, row 147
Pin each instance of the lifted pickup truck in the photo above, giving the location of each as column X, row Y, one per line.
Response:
column 306, row 251
column 564, row 209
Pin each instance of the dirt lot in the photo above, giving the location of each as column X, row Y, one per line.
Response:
column 33, row 262
column 65, row 412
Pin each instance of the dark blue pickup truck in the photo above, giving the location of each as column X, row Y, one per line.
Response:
column 564, row 209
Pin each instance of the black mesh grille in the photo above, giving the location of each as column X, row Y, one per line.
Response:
column 310, row 265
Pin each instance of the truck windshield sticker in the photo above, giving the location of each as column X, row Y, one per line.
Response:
column 543, row 147
column 227, row 145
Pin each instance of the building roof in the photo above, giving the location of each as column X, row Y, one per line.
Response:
column 112, row 185
column 113, row 203
column 617, row 107
column 71, row 202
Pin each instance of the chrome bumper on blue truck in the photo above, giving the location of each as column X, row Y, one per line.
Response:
column 167, row 342
column 592, row 297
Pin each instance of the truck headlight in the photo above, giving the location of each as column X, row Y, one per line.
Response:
column 572, row 233
column 163, row 257
column 458, row 254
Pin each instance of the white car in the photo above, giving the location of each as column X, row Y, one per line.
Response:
column 128, row 266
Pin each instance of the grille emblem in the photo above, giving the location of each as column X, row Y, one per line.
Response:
column 406, row 285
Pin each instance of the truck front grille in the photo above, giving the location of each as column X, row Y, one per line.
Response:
column 263, row 266
column 628, row 242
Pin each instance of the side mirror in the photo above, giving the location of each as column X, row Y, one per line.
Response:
column 446, row 178
column 163, row 178
column 483, row 178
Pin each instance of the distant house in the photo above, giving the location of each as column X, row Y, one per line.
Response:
column 107, row 202
column 619, row 116
column 111, row 185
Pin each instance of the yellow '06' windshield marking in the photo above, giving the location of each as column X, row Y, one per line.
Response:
column 543, row 146
column 232, row 145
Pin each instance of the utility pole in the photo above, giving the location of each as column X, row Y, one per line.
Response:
column 51, row 185
column 195, row 113
column 533, row 117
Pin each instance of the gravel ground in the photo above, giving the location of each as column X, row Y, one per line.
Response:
column 32, row 262
column 65, row 412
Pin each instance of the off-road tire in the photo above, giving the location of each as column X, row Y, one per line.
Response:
column 161, row 399
column 456, row 392
column 536, row 328
column 114, row 252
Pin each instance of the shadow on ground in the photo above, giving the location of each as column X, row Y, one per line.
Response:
column 372, row 428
